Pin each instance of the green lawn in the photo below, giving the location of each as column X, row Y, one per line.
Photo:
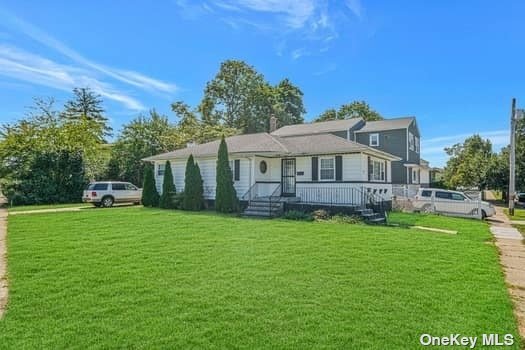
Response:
column 49, row 206
column 519, row 214
column 146, row 278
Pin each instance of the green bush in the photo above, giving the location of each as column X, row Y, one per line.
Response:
column 150, row 196
column 297, row 215
column 193, row 189
column 168, row 189
column 226, row 200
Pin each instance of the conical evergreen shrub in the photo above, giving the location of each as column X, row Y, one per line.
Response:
column 225, row 195
column 150, row 196
column 193, row 188
column 168, row 189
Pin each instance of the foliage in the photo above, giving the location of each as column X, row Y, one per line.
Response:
column 193, row 188
column 167, row 200
column 356, row 109
column 498, row 171
column 144, row 136
column 286, row 271
column 226, row 200
column 469, row 163
column 297, row 215
column 150, row 196
column 320, row 214
column 87, row 106
column 51, row 177
column 240, row 98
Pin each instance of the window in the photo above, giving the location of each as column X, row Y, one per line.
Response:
column 374, row 140
column 378, row 170
column 97, row 187
column 160, row 169
column 130, row 187
column 457, row 197
column 443, row 195
column 327, row 169
column 263, row 167
column 235, row 167
column 118, row 187
column 411, row 141
column 416, row 140
column 426, row 193
column 415, row 179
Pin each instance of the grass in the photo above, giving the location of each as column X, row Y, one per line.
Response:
column 147, row 278
column 49, row 206
column 519, row 214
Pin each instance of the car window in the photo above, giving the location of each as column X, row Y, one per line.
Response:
column 97, row 187
column 457, row 197
column 443, row 195
column 118, row 187
column 426, row 193
column 131, row 187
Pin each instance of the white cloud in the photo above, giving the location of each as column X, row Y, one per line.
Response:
column 22, row 65
column 356, row 7
column 25, row 66
column 298, row 53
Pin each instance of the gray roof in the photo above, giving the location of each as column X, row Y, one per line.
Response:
column 316, row 128
column 270, row 145
column 387, row 124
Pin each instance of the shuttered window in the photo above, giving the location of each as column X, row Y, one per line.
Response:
column 327, row 169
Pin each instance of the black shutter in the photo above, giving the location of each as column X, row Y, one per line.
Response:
column 237, row 172
column 338, row 168
column 370, row 169
column 386, row 171
column 315, row 168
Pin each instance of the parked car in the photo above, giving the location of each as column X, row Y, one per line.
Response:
column 520, row 198
column 450, row 202
column 106, row 193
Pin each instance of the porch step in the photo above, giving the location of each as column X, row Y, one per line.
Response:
column 263, row 209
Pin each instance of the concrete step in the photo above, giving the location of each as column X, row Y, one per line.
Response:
column 265, row 204
column 379, row 220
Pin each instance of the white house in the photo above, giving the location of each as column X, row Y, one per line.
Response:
column 318, row 167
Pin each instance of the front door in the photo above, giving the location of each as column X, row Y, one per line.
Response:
column 288, row 177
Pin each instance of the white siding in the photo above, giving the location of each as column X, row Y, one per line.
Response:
column 353, row 167
column 208, row 172
column 304, row 164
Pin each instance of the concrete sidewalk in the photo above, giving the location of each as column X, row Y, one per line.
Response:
column 512, row 258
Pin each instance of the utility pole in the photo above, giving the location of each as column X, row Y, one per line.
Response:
column 512, row 165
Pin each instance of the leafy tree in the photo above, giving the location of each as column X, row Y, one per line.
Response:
column 150, row 196
column 87, row 105
column 229, row 96
column 225, row 196
column 468, row 163
column 498, row 171
column 144, row 136
column 240, row 98
column 168, row 189
column 193, row 189
column 356, row 109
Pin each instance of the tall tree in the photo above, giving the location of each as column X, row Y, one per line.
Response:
column 290, row 99
column 468, row 163
column 225, row 195
column 229, row 96
column 168, row 189
column 356, row 109
column 87, row 105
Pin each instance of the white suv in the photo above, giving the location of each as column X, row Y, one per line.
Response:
column 106, row 193
column 450, row 202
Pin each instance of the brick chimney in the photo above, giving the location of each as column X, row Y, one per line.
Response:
column 273, row 124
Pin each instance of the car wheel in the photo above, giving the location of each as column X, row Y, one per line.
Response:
column 427, row 208
column 107, row 202
column 483, row 214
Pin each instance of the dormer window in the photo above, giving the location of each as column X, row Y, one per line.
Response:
column 374, row 140
column 411, row 141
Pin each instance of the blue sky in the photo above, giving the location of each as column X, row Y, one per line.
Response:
column 455, row 65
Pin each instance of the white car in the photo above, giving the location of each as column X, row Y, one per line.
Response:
column 106, row 193
column 450, row 202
